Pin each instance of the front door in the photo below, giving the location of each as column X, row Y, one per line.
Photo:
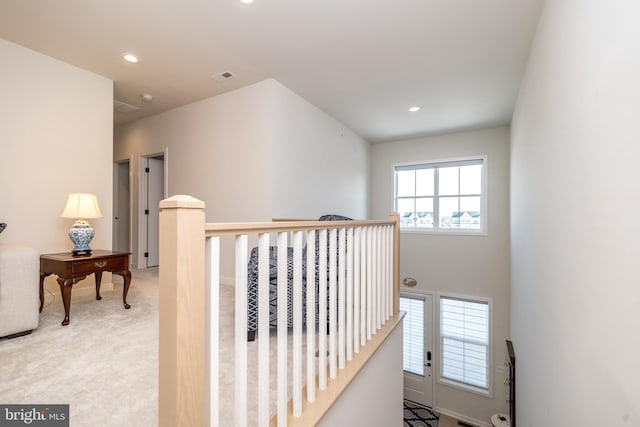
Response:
column 418, row 347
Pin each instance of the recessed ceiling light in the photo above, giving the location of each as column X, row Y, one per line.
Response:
column 246, row 1
column 131, row 58
column 414, row 109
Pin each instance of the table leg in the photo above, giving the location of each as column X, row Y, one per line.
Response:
column 98, row 280
column 127, row 281
column 42, row 276
column 65, row 290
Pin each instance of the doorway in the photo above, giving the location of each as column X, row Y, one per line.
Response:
column 417, row 352
column 152, row 191
column 122, row 207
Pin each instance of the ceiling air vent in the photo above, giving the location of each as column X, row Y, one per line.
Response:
column 225, row 75
column 123, row 107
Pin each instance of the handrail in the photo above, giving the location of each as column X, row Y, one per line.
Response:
column 188, row 278
column 231, row 228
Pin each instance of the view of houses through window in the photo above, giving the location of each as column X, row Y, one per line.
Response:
column 441, row 195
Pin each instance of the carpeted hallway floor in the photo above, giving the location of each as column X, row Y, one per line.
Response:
column 90, row 364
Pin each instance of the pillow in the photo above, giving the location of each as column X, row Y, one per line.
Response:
column 2, row 226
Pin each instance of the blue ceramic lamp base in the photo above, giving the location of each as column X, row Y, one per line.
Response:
column 81, row 234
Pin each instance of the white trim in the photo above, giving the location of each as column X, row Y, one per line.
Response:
column 131, row 256
column 419, row 293
column 488, row 393
column 484, row 229
column 142, row 204
column 114, row 227
column 166, row 172
column 143, row 162
column 461, row 417
column 116, row 205
column 443, row 232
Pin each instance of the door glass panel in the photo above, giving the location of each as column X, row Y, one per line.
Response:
column 413, row 338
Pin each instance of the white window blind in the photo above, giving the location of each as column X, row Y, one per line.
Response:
column 464, row 334
column 413, row 335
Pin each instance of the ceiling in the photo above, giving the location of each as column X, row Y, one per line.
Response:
column 365, row 62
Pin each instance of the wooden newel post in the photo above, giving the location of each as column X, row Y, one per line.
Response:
column 181, row 380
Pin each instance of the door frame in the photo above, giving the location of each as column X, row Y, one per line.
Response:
column 429, row 326
column 116, row 201
column 142, row 199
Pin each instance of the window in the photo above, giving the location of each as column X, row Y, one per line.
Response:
column 464, row 342
column 413, row 335
column 441, row 196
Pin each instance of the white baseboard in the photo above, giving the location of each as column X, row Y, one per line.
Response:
column 464, row 418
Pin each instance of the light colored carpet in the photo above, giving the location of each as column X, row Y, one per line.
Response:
column 104, row 364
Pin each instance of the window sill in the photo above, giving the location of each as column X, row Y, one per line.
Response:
column 442, row 232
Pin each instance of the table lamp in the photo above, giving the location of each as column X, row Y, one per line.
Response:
column 81, row 206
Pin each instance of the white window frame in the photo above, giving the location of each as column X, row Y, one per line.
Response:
column 457, row 384
column 482, row 231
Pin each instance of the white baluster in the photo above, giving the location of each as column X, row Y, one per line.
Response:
column 322, row 304
column 311, row 315
column 297, row 324
column 212, row 248
column 333, row 306
column 263, row 330
column 378, row 255
column 357, row 279
column 383, row 276
column 349, row 300
column 370, row 282
column 241, row 332
column 282, row 285
column 363, row 287
column 389, row 259
column 342, row 237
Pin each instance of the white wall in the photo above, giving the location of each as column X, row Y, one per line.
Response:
column 56, row 132
column 219, row 151
column 374, row 397
column 465, row 265
column 575, row 238
column 252, row 154
column 319, row 165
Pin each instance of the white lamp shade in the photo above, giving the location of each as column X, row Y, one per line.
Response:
column 82, row 205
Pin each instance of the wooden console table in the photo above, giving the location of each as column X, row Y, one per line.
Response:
column 71, row 269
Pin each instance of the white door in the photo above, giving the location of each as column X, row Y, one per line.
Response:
column 418, row 347
column 121, row 221
column 155, row 193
